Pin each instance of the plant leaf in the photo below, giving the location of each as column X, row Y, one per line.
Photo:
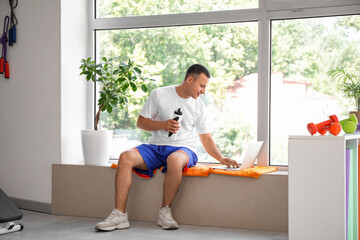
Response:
column 98, row 72
column 133, row 86
column 144, row 88
column 125, row 86
column 137, row 70
column 120, row 80
column 104, row 108
column 109, row 108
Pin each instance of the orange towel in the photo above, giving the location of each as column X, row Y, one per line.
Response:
column 254, row 172
column 199, row 170
column 203, row 170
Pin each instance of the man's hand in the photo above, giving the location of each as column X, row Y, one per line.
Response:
column 150, row 125
column 211, row 148
column 171, row 126
column 229, row 162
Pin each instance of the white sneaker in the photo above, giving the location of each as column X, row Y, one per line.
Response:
column 166, row 220
column 116, row 220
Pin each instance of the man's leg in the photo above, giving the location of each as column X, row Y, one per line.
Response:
column 118, row 218
column 127, row 161
column 175, row 165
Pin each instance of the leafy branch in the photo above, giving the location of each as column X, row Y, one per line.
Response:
column 348, row 83
column 115, row 81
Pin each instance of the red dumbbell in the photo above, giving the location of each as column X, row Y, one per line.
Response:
column 332, row 125
column 334, row 129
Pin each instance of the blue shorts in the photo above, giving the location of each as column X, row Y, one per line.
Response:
column 155, row 157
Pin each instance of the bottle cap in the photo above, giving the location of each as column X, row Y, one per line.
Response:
column 178, row 112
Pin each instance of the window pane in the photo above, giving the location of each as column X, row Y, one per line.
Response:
column 229, row 51
column 303, row 51
column 117, row 8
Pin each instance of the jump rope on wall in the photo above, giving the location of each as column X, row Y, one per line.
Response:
column 4, row 64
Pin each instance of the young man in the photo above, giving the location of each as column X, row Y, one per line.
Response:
column 175, row 153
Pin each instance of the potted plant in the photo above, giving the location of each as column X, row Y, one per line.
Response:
column 115, row 83
column 349, row 85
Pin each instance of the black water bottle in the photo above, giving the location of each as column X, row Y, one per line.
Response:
column 177, row 116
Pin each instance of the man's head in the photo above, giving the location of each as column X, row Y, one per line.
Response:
column 195, row 70
column 196, row 79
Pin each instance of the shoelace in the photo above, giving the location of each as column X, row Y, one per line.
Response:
column 168, row 215
column 113, row 213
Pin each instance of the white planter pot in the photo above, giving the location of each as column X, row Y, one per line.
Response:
column 96, row 146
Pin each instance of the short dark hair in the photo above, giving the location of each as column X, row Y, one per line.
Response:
column 196, row 69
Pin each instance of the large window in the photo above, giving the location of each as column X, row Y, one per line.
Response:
column 268, row 59
column 303, row 52
column 229, row 51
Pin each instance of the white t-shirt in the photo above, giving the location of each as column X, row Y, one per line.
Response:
column 160, row 106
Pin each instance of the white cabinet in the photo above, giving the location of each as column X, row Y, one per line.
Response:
column 317, row 187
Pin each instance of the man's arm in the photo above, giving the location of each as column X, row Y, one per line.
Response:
column 149, row 125
column 211, row 148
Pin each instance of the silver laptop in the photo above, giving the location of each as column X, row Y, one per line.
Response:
column 249, row 159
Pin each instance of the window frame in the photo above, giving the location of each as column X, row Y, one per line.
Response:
column 267, row 11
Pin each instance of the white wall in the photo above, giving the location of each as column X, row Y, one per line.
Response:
column 41, row 105
column 30, row 101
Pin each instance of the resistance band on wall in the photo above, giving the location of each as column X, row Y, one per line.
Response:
column 13, row 22
column 4, row 65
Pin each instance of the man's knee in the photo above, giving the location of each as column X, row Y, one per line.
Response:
column 126, row 159
column 177, row 160
column 131, row 159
